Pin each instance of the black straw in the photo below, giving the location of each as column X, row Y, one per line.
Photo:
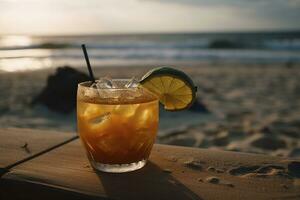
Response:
column 88, row 63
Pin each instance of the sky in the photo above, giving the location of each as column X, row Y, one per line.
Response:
column 55, row 17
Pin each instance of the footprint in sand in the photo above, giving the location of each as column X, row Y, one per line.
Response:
column 216, row 180
column 269, row 168
column 243, row 170
column 193, row 164
column 216, row 170
column 260, row 171
column 213, row 180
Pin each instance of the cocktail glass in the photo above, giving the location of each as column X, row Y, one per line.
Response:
column 117, row 126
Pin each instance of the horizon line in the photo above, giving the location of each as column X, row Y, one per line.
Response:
column 153, row 33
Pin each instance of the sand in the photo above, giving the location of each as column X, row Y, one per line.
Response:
column 256, row 108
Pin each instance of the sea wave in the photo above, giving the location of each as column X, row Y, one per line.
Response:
column 156, row 48
column 202, row 44
column 271, row 41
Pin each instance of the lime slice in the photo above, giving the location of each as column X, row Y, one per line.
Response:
column 176, row 91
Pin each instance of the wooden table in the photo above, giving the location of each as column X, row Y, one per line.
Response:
column 52, row 165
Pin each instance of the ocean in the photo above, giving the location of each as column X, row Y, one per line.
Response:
column 19, row 53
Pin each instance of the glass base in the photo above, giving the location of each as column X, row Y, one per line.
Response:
column 118, row 168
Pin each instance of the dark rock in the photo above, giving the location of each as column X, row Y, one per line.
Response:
column 269, row 143
column 60, row 92
column 294, row 169
column 198, row 106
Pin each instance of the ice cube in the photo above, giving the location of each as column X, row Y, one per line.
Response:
column 97, row 126
column 133, row 90
column 100, row 118
column 126, row 110
column 104, row 86
column 145, row 117
column 105, row 83
column 94, row 85
column 89, row 93
column 132, row 83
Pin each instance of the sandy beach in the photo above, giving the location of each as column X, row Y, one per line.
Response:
column 253, row 108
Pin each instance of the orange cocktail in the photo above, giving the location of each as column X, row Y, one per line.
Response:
column 117, row 126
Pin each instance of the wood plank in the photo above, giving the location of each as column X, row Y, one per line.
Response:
column 172, row 173
column 28, row 191
column 18, row 145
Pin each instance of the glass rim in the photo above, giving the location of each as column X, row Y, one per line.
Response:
column 83, row 85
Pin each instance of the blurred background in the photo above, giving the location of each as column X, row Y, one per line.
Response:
column 243, row 55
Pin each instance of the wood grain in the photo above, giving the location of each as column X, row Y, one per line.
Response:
column 65, row 171
column 17, row 145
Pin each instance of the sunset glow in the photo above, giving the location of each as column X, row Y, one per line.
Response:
column 50, row 17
